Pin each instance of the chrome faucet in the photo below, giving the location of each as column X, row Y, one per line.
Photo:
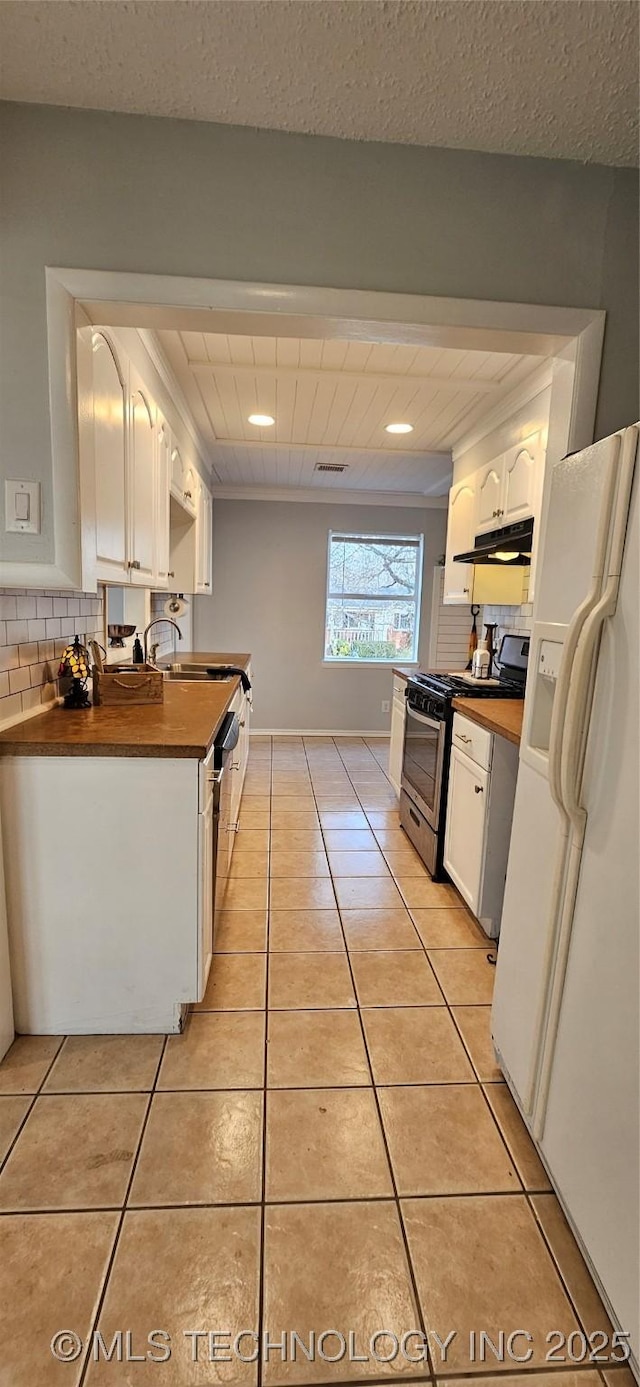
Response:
column 154, row 648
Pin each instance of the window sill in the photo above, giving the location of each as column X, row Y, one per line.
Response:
column 370, row 664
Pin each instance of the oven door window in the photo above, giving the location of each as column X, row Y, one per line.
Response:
column 422, row 764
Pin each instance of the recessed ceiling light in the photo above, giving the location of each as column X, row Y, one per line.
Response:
column 262, row 420
column 399, row 428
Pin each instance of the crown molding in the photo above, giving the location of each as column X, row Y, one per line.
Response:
column 154, row 351
column 328, row 496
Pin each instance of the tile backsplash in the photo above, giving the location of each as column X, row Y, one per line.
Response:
column 35, row 627
column 164, row 634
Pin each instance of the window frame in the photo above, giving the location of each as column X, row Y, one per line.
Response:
column 343, row 661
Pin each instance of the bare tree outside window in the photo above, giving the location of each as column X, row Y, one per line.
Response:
column 373, row 598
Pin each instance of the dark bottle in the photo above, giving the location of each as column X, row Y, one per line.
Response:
column 138, row 654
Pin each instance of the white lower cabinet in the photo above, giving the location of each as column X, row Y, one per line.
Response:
column 242, row 706
column 481, row 790
column 208, row 842
column 466, row 826
column 396, row 743
column 110, row 912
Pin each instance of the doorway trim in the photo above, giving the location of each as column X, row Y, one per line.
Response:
column 75, row 297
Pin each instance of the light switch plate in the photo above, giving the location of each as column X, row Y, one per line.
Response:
column 22, row 507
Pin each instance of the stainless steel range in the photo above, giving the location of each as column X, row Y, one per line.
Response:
column 427, row 743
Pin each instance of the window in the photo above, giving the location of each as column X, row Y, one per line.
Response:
column 373, row 598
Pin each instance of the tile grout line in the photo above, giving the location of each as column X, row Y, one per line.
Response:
column 257, row 1203
column 123, row 1211
column 396, row 1197
column 33, row 1097
column 530, row 1194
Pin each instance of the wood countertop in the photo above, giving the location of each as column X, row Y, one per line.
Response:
column 406, row 671
column 500, row 715
column 183, row 725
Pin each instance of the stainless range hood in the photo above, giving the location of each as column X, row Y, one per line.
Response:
column 510, row 547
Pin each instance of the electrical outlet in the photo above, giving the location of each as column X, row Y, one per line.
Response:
column 386, row 705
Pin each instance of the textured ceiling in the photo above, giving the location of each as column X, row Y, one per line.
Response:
column 541, row 77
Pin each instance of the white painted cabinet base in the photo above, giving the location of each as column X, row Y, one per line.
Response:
column 481, row 792
column 108, row 864
column 101, row 862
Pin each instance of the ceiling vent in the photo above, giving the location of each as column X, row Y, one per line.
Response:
column 331, row 467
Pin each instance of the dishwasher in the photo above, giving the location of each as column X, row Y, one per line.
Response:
column 214, row 841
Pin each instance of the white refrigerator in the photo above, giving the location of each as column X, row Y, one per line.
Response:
column 566, row 1016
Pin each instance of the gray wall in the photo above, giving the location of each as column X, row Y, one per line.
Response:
column 269, row 590
column 94, row 190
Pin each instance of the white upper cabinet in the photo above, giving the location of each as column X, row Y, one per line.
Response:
column 523, row 476
column 191, row 541
column 177, row 477
column 163, row 475
column 204, row 527
column 142, row 478
column 184, row 483
column 510, row 487
column 110, row 455
column 190, row 490
column 490, row 488
column 461, row 529
column 131, row 468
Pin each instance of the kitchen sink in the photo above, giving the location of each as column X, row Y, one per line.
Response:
column 199, row 673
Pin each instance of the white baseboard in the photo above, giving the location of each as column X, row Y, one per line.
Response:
column 312, row 732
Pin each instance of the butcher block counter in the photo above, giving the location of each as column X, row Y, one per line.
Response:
column 500, row 715
column 184, row 724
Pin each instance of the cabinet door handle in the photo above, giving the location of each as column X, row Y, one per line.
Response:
column 235, row 766
column 232, row 828
column 479, row 789
column 187, row 495
column 461, row 737
column 134, row 563
column 207, row 585
column 465, row 589
column 171, row 573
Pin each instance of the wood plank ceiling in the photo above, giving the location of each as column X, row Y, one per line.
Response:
column 331, row 402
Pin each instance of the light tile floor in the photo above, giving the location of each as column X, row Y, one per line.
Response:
column 328, row 1146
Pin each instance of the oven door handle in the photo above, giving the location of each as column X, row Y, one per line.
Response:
column 420, row 717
